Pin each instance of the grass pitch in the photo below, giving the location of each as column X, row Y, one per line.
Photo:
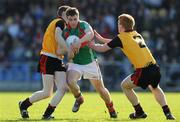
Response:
column 93, row 109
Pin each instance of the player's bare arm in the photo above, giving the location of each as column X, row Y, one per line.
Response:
column 99, row 47
column 76, row 46
column 89, row 35
column 115, row 42
column 62, row 48
column 100, row 38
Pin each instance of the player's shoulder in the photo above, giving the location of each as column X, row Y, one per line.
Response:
column 133, row 32
column 83, row 22
column 56, row 20
column 59, row 20
column 84, row 25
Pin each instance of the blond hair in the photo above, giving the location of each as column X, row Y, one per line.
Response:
column 127, row 21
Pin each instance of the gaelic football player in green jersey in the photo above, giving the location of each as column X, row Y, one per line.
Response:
column 84, row 62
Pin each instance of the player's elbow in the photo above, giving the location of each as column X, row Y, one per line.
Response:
column 90, row 35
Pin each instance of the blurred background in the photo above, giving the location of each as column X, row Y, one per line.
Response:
column 23, row 22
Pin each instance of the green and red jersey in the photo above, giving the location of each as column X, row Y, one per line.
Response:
column 86, row 55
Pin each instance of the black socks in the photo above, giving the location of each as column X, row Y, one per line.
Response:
column 25, row 104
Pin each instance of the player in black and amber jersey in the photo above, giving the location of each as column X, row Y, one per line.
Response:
column 147, row 72
column 50, row 66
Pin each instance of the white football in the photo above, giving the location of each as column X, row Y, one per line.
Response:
column 71, row 39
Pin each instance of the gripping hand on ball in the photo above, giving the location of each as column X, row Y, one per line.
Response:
column 75, row 47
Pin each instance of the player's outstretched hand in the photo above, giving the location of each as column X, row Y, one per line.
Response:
column 91, row 44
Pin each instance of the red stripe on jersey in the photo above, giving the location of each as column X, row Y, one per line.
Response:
column 84, row 44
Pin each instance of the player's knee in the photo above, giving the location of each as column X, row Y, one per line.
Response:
column 123, row 85
column 47, row 94
column 62, row 89
column 101, row 90
column 70, row 83
column 70, row 80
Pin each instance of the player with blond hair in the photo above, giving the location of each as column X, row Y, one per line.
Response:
column 147, row 72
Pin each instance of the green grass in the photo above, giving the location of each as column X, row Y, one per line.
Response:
column 93, row 109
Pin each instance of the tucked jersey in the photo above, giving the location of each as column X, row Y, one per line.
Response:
column 86, row 55
column 50, row 44
column 133, row 46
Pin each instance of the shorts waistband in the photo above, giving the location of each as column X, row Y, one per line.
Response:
column 51, row 55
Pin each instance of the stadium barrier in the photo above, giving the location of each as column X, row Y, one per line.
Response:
column 23, row 76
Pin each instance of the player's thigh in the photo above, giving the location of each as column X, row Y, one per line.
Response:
column 92, row 71
column 73, row 76
column 60, row 79
column 128, row 83
column 74, row 72
column 48, row 82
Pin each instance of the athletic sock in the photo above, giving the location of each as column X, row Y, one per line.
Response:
column 25, row 104
column 49, row 110
column 166, row 109
column 78, row 96
column 138, row 109
column 110, row 107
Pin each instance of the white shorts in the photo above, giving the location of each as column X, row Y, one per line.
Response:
column 89, row 71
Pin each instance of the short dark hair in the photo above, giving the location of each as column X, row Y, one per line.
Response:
column 72, row 11
column 61, row 9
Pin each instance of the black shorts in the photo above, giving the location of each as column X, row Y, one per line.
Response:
column 48, row 65
column 149, row 75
